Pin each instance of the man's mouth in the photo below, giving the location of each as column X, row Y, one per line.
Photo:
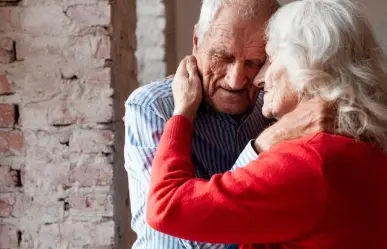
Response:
column 234, row 91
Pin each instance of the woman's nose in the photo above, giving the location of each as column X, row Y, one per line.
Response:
column 259, row 80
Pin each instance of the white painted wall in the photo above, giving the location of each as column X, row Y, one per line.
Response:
column 187, row 13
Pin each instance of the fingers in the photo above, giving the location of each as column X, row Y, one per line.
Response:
column 191, row 65
column 192, row 68
column 182, row 69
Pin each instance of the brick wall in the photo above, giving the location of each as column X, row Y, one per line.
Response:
column 56, row 124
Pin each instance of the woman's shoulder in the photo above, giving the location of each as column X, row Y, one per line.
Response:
column 331, row 146
column 336, row 141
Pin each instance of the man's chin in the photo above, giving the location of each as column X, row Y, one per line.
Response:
column 231, row 109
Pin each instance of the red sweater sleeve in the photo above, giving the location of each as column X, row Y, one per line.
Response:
column 278, row 197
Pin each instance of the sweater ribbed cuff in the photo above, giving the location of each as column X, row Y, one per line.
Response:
column 179, row 128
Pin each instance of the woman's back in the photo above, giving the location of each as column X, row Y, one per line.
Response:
column 356, row 205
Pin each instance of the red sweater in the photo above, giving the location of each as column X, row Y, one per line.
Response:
column 319, row 192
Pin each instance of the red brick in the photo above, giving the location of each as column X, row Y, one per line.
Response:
column 7, row 43
column 8, row 236
column 6, row 56
column 103, row 48
column 99, row 78
column 88, row 172
column 7, row 115
column 8, row 177
column 108, row 135
column 5, row 85
column 6, row 204
column 91, row 204
column 7, row 51
column 11, row 142
column 9, row 19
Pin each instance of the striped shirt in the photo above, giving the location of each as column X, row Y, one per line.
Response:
column 219, row 144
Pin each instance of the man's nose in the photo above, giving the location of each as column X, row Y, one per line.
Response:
column 259, row 80
column 236, row 77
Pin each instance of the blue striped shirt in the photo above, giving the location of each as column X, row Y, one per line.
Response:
column 219, row 144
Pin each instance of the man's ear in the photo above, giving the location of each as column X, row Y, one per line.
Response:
column 195, row 40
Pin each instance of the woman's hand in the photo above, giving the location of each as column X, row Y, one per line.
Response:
column 311, row 116
column 187, row 88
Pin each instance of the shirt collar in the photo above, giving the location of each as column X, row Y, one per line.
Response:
column 206, row 108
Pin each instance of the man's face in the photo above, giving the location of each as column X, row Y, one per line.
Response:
column 229, row 57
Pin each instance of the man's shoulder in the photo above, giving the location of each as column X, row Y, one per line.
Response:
column 156, row 96
column 146, row 95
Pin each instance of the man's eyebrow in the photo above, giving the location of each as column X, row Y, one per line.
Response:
column 220, row 51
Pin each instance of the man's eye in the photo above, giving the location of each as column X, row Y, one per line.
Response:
column 223, row 57
column 254, row 63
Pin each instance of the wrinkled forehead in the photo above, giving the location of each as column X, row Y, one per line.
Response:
column 246, row 38
column 231, row 29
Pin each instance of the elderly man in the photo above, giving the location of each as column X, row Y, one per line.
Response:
column 229, row 46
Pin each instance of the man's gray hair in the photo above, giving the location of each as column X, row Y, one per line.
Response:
column 328, row 49
column 247, row 9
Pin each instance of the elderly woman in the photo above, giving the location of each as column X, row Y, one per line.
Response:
column 325, row 191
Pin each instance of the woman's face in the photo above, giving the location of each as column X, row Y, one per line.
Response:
column 280, row 97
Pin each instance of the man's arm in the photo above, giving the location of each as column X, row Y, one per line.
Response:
column 143, row 132
column 143, row 129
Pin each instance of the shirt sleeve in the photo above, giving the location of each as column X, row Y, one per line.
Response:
column 247, row 155
column 143, row 130
column 276, row 198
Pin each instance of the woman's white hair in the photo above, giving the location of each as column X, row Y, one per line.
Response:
column 328, row 49
column 248, row 9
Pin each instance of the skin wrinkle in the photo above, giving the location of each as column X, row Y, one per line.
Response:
column 229, row 57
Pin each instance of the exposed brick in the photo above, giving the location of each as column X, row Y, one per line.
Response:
column 36, row 79
column 90, row 171
column 105, row 233
column 94, row 247
column 7, row 115
column 11, row 142
column 46, row 147
column 5, row 85
column 66, row 113
column 87, row 233
column 103, row 48
column 49, row 236
column 7, row 43
column 91, row 205
column 98, row 79
column 60, row 192
column 47, row 177
column 81, row 171
column 44, row 208
column 7, row 50
column 7, row 201
column 7, row 56
column 86, row 15
column 91, row 141
column 45, row 20
column 8, row 236
column 9, row 19
column 8, row 177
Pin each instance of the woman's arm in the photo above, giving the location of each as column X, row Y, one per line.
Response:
column 273, row 199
